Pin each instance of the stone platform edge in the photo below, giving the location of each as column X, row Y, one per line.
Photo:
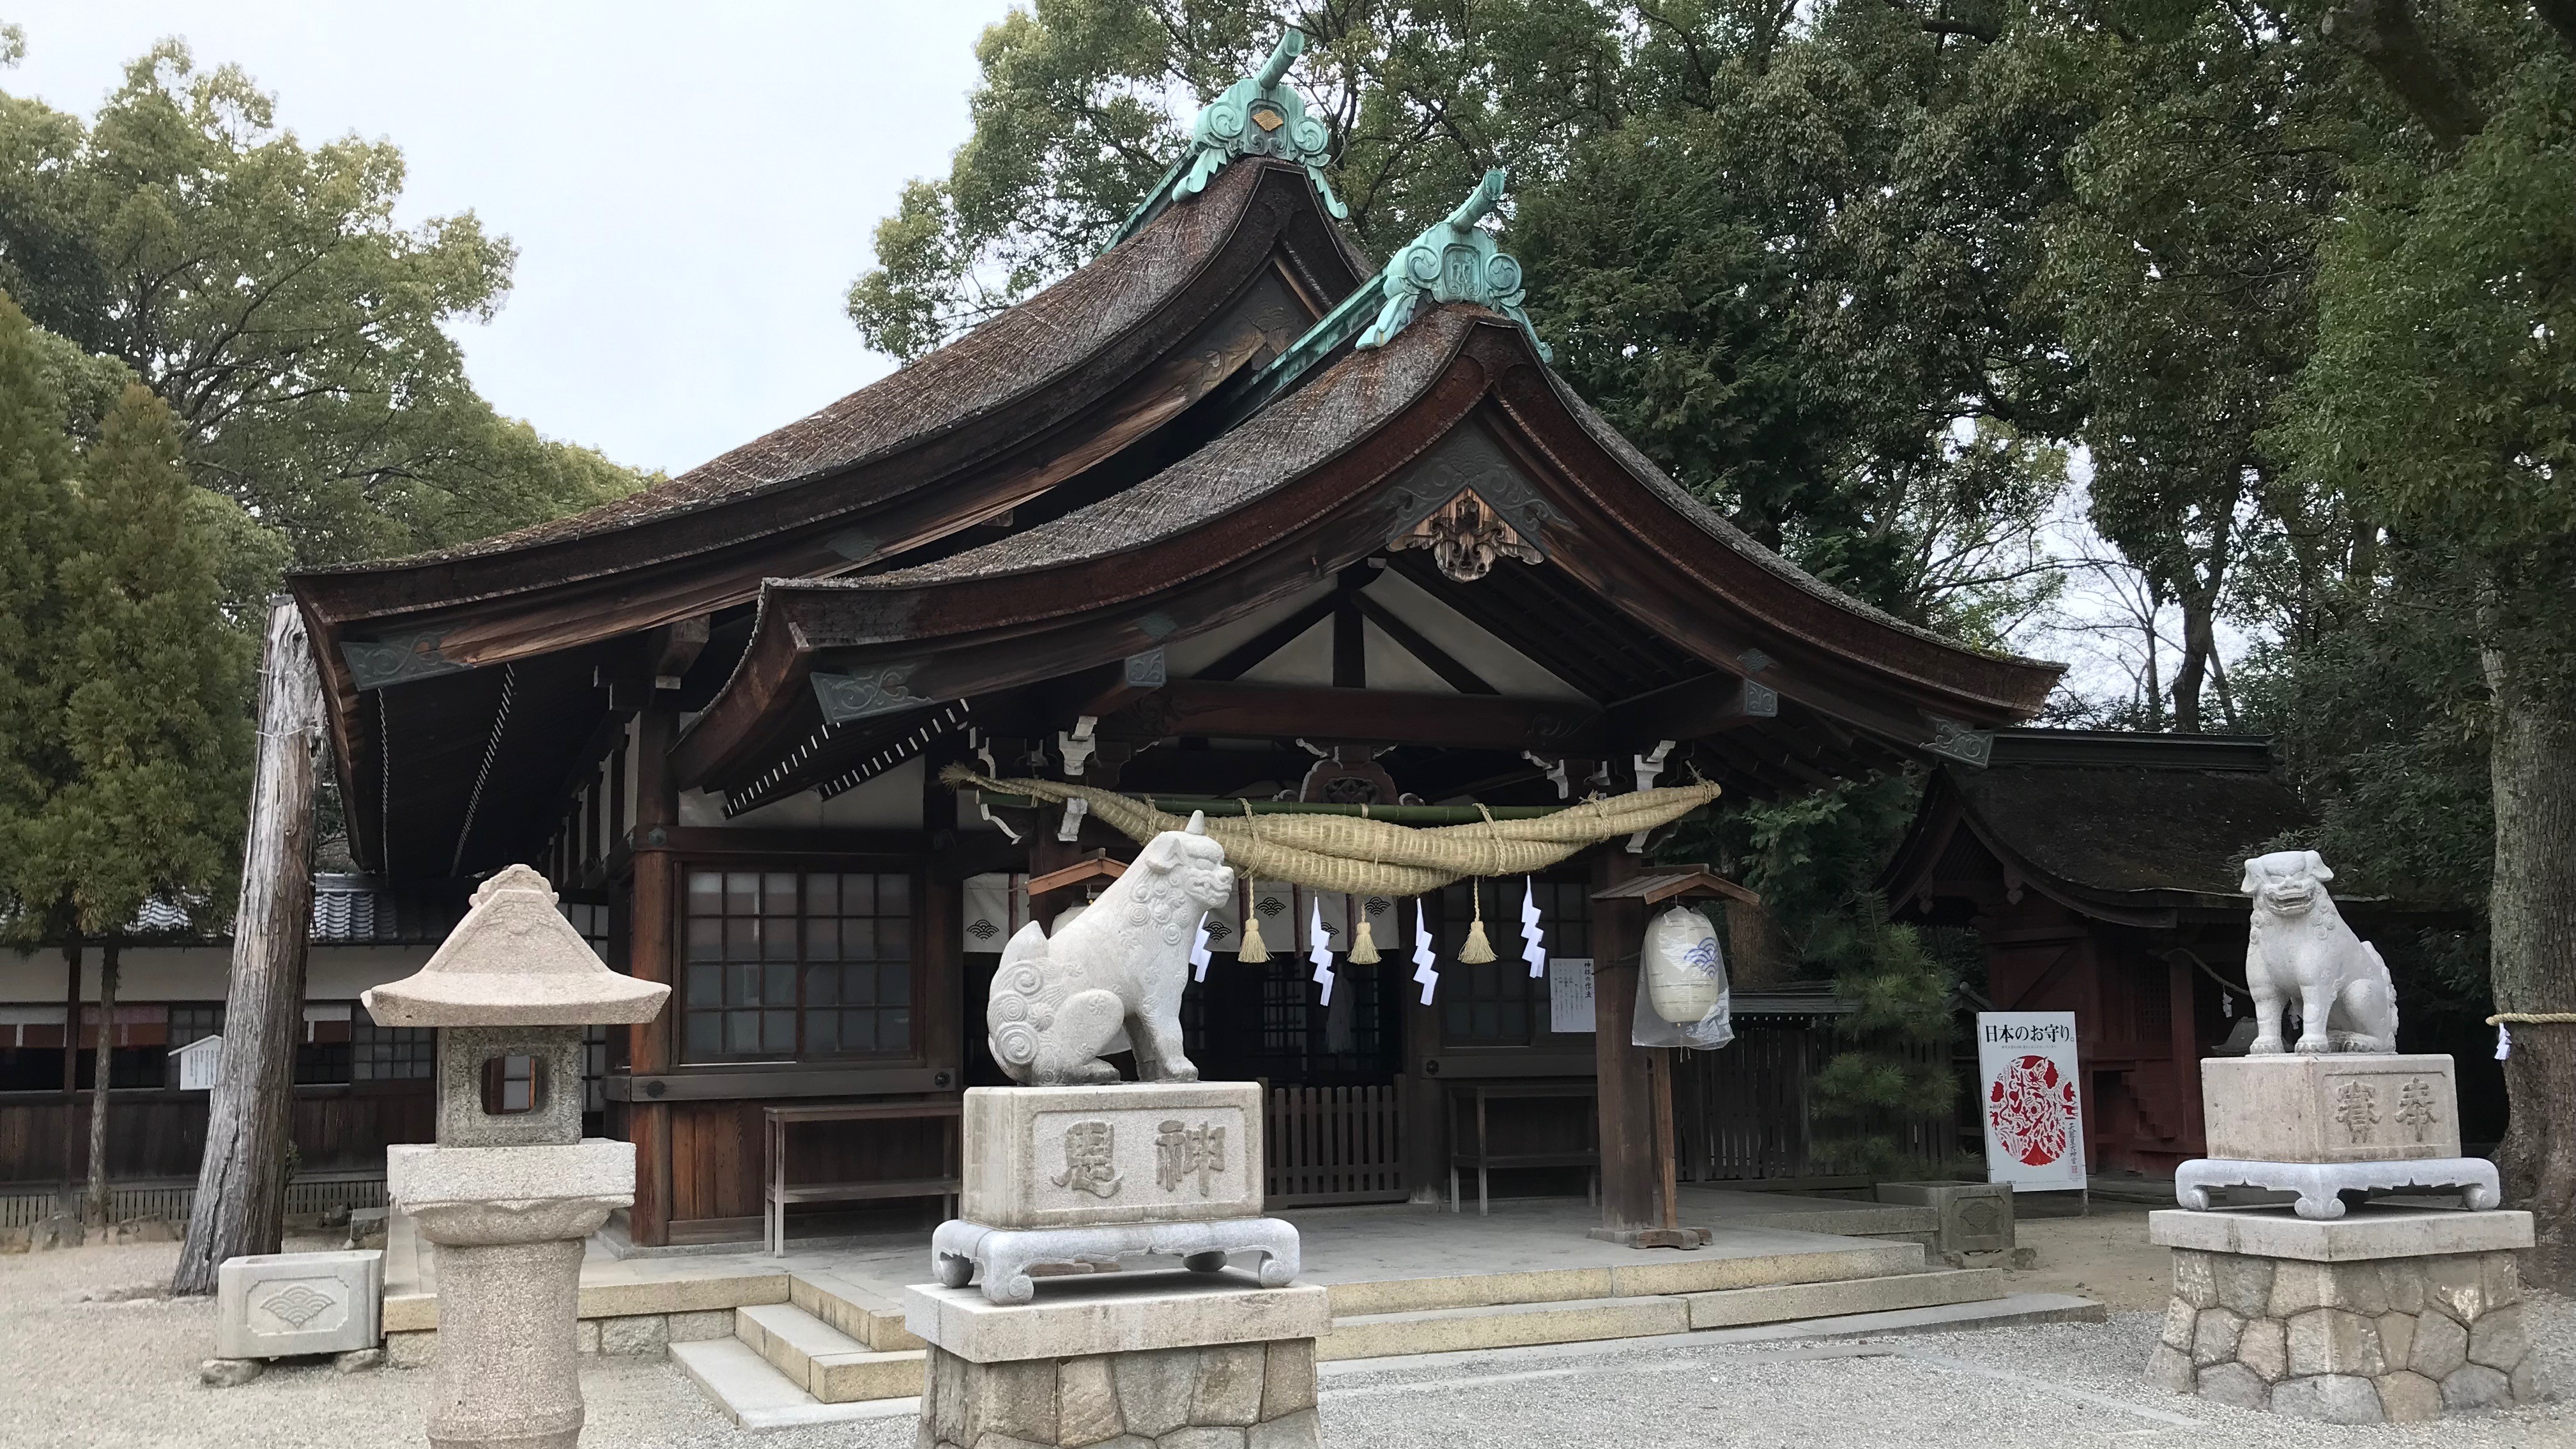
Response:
column 2366, row 1233
column 1131, row 1318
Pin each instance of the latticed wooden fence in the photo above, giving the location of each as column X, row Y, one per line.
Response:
column 1745, row 1113
column 1334, row 1145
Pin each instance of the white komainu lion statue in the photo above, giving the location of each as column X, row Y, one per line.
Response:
column 1056, row 1004
column 2302, row 953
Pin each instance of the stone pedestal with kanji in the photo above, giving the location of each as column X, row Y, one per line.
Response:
column 1067, row 1180
column 1071, row 1335
column 2338, row 1307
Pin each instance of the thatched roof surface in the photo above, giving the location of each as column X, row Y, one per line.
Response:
column 1019, row 351
column 2140, row 825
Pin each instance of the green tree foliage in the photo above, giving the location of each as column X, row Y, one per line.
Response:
column 37, row 460
column 2294, row 276
column 2182, row 265
column 129, row 741
column 261, row 287
column 1767, row 256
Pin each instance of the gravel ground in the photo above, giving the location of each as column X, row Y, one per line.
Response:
column 2043, row 1387
column 91, row 1364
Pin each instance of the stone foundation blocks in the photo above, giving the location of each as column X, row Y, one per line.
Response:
column 1169, row 1361
column 2335, row 1321
column 1234, row 1396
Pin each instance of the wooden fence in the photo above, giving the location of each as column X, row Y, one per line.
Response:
column 159, row 1134
column 1334, row 1145
column 1744, row 1113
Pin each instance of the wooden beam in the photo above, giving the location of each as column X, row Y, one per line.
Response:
column 1265, row 711
column 673, row 647
column 1431, row 656
column 1693, row 708
column 1270, row 641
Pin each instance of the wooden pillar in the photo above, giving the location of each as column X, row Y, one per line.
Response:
column 652, row 954
column 2185, row 1031
column 1425, row 1100
column 936, row 934
column 241, row 1176
column 1630, row 1171
column 1046, row 853
column 71, row 1073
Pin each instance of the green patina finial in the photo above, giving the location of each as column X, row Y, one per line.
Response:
column 1259, row 115
column 1454, row 260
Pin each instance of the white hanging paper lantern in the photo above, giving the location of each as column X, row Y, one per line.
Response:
column 1685, row 974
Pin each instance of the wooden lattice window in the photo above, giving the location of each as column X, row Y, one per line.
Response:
column 785, row 964
column 1497, row 1002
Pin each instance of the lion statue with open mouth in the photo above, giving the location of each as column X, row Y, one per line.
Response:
column 1119, row 967
column 2302, row 953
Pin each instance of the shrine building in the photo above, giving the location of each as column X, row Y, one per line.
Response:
column 1230, row 519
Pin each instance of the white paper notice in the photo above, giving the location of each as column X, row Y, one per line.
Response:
column 1569, row 993
column 2028, row 1072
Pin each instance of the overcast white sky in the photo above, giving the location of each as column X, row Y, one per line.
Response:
column 691, row 188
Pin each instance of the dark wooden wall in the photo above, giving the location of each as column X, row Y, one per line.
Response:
column 155, row 1133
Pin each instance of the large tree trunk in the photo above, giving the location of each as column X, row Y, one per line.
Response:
column 94, row 1206
column 241, row 1181
column 2532, row 961
column 2191, row 672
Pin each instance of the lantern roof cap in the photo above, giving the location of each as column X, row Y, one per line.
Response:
column 515, row 961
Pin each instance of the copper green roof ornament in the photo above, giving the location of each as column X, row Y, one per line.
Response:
column 1257, row 116
column 1454, row 260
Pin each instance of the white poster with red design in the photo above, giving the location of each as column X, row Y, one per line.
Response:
column 2034, row 1110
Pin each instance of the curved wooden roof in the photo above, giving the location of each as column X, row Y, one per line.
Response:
column 1064, row 388
column 1317, row 481
column 2141, row 830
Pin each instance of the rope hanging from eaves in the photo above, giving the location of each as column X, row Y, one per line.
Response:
column 1360, row 856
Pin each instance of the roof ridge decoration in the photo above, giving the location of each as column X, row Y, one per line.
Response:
column 1259, row 115
column 1453, row 260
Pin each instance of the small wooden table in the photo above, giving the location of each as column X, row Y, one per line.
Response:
column 777, row 1193
column 1484, row 1159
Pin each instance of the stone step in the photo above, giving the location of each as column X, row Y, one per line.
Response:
column 827, row 1363
column 751, row 1391
column 1508, row 1325
column 1660, row 1276
column 2010, row 1311
column 858, row 1311
column 1785, row 1302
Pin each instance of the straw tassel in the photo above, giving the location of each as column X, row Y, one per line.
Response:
column 1478, row 950
column 1254, row 950
column 1364, row 946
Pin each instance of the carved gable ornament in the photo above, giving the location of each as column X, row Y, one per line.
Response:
column 1471, row 507
column 1466, row 538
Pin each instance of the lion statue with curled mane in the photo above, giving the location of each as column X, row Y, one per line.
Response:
column 2301, row 953
column 1119, row 967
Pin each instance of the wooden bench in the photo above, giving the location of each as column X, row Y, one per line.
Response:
column 777, row 1192
column 1478, row 1153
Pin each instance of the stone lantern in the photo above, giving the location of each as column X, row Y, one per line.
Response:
column 511, row 1189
